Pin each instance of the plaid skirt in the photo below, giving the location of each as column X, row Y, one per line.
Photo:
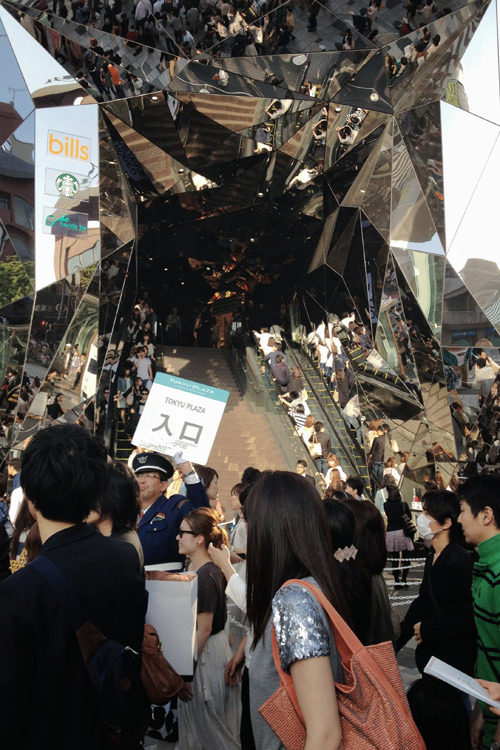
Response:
column 396, row 541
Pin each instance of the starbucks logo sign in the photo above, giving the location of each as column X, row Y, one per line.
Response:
column 67, row 185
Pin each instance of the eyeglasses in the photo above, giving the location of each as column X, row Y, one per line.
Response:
column 185, row 531
column 147, row 475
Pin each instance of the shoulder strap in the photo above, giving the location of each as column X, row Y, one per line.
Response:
column 60, row 585
column 347, row 644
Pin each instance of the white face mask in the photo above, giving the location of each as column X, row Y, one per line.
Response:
column 424, row 528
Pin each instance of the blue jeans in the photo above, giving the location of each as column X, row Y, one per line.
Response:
column 321, row 465
column 377, row 470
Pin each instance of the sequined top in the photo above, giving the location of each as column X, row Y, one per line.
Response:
column 302, row 631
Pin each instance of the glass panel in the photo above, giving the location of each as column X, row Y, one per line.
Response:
column 47, row 81
column 117, row 227
column 162, row 171
column 470, row 89
column 459, row 127
column 142, row 68
column 377, row 198
column 368, row 88
column 73, row 369
column 471, row 252
column 14, row 96
column 14, row 281
column 321, row 75
column 412, row 226
column 354, row 156
column 54, row 309
column 17, row 184
column 112, row 277
column 156, row 117
column 357, row 192
column 376, row 252
column 421, row 130
column 425, row 275
column 456, row 31
column 393, row 336
column 468, row 336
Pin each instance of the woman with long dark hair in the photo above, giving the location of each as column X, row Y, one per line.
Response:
column 398, row 544
column 369, row 539
column 441, row 618
column 288, row 537
column 355, row 579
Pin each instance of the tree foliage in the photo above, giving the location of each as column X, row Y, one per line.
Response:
column 15, row 280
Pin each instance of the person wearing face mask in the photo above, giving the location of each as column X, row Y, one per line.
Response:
column 441, row 618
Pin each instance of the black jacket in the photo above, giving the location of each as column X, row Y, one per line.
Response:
column 444, row 607
column 45, row 694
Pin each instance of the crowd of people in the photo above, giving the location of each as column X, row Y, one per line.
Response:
column 99, row 523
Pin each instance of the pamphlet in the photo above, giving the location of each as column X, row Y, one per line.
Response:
column 437, row 668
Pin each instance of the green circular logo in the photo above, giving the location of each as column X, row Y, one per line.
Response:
column 67, row 185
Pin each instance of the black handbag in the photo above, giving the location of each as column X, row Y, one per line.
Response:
column 409, row 528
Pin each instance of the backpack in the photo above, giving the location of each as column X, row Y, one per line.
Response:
column 114, row 670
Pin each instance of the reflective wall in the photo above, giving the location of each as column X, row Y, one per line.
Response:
column 287, row 166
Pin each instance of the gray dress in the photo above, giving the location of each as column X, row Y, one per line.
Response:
column 303, row 631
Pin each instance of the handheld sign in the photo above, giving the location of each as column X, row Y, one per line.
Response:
column 181, row 415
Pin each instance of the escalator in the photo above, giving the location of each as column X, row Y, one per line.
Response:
column 344, row 444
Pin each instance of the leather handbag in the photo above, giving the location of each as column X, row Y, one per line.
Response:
column 374, row 712
column 158, row 676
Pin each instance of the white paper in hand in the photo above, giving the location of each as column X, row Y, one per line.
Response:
column 437, row 668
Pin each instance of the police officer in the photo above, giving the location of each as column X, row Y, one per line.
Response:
column 161, row 517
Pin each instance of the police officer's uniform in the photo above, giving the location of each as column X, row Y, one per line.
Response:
column 160, row 524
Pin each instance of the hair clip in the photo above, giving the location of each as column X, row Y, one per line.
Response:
column 348, row 553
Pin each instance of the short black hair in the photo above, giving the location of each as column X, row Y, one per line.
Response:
column 120, row 502
column 480, row 492
column 356, row 484
column 318, row 426
column 250, row 475
column 439, row 713
column 302, row 462
column 64, row 473
column 15, row 463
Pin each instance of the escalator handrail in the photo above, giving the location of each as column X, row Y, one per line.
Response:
column 324, row 413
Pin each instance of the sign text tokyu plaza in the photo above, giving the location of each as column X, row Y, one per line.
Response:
column 181, row 415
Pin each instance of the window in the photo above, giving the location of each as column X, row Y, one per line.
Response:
column 23, row 213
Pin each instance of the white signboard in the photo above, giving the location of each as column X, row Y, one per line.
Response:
column 172, row 606
column 66, row 191
column 181, row 415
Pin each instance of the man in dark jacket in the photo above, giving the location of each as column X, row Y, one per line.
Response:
column 45, row 691
column 281, row 373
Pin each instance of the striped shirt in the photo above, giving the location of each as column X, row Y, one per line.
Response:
column 486, row 596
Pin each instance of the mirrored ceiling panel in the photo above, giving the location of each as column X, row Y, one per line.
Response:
column 15, row 101
column 412, row 225
column 468, row 88
column 421, row 131
column 47, row 81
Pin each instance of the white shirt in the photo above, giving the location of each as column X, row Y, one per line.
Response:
column 16, row 500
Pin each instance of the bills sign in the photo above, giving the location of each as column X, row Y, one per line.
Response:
column 181, row 415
